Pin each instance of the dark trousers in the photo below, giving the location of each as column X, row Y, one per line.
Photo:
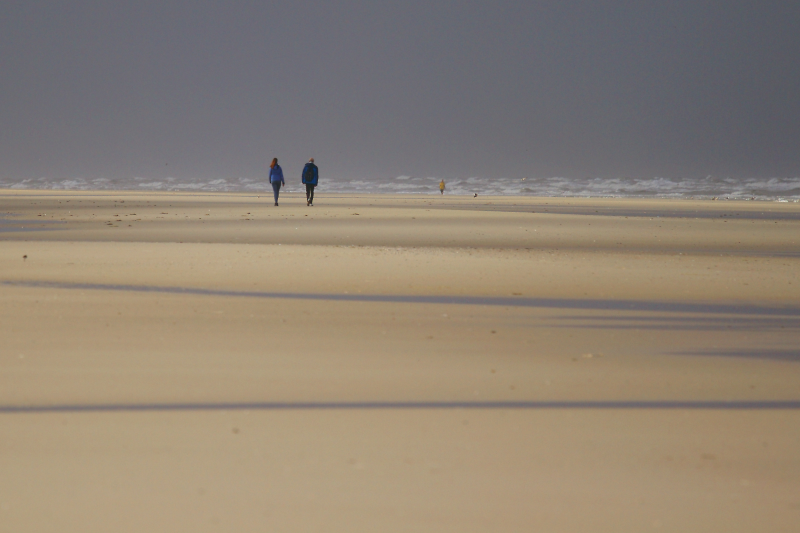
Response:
column 310, row 193
column 276, row 188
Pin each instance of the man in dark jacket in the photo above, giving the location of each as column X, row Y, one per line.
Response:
column 310, row 179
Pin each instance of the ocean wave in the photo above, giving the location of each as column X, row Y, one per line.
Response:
column 760, row 188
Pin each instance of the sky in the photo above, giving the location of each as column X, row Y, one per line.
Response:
column 207, row 89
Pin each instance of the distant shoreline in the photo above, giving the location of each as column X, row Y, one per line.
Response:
column 340, row 194
column 756, row 188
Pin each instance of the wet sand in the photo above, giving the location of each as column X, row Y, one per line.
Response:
column 193, row 362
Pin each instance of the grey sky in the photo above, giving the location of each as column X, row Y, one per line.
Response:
column 379, row 89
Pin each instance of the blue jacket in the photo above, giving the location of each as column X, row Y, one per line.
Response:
column 276, row 174
column 314, row 174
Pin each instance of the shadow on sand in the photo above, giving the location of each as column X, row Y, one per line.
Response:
column 778, row 355
column 682, row 323
column 544, row 303
column 367, row 406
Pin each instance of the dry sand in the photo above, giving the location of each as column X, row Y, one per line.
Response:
column 338, row 367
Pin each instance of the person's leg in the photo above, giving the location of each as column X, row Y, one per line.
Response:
column 276, row 188
column 311, row 194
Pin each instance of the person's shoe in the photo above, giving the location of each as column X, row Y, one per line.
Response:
column 308, row 203
column 276, row 204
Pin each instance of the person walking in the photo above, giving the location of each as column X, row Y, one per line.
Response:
column 441, row 186
column 276, row 178
column 310, row 180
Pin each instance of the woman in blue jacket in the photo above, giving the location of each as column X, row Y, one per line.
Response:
column 276, row 178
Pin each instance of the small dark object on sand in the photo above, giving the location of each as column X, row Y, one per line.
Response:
column 24, row 257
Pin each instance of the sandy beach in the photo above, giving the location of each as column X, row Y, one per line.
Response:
column 210, row 362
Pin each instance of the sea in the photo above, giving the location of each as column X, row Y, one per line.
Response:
column 778, row 189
